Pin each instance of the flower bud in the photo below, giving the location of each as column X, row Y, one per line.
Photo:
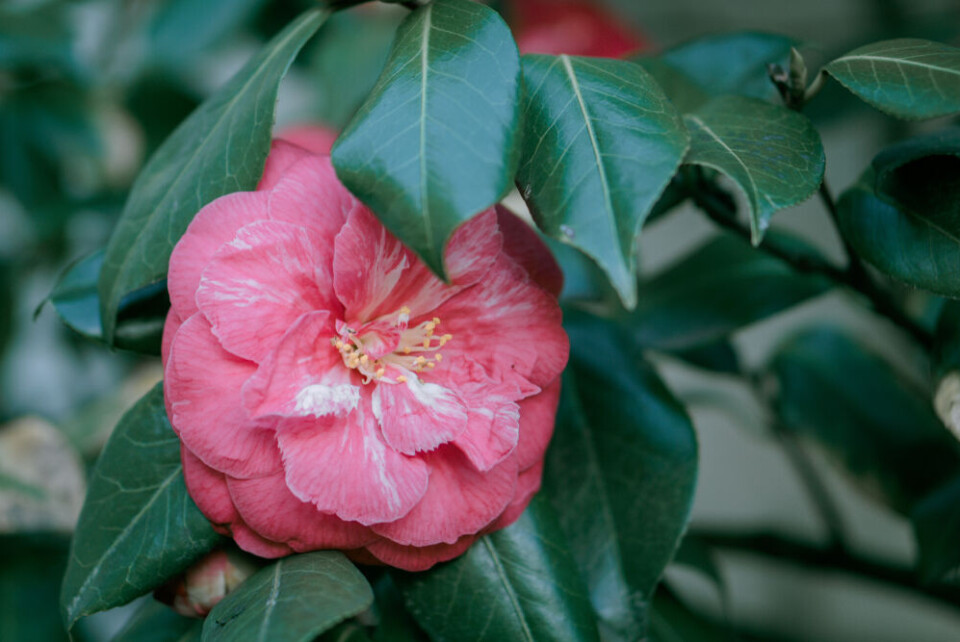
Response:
column 203, row 585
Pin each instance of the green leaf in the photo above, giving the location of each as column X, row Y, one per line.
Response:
column 601, row 142
column 395, row 622
column 907, row 77
column 293, row 600
column 436, row 141
column 719, row 356
column 733, row 63
column 936, row 525
column 672, row 621
column 221, row 148
column 140, row 318
column 903, row 215
column 682, row 90
column 871, row 420
column 138, row 526
column 621, row 472
column 520, row 583
column 156, row 622
column 715, row 290
column 777, row 165
column 30, row 570
column 346, row 632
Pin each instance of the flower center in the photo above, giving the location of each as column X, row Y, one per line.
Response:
column 390, row 351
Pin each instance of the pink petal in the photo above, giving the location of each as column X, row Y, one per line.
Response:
column 248, row 540
column 170, row 328
column 416, row 416
column 522, row 244
column 304, row 376
column 343, row 467
column 537, row 419
column 459, row 501
column 414, row 558
column 310, row 195
column 261, row 282
column 283, row 154
column 317, row 139
column 528, row 483
column 201, row 386
column 375, row 275
column 268, row 507
column 494, row 422
column 509, row 325
column 214, row 225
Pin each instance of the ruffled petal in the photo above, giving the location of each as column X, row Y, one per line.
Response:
column 202, row 383
column 304, row 376
column 459, row 501
column 528, row 483
column 522, row 244
column 413, row 558
column 493, row 427
column 343, row 466
column 310, row 195
column 250, row 541
column 537, row 417
column 214, row 225
column 375, row 275
column 261, row 282
column 416, row 416
column 283, row 154
column 269, row 508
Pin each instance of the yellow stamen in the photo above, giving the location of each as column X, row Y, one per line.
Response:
column 380, row 372
column 438, row 357
column 401, row 379
column 404, row 310
column 436, row 320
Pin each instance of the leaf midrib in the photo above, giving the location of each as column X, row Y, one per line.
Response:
column 271, row 603
column 898, row 61
column 508, row 587
column 424, row 178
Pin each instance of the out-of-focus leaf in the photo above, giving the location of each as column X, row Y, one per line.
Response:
column 715, row 290
column 719, row 356
column 946, row 366
column 293, row 600
column 601, row 142
column 155, row 622
column 874, row 423
column 35, row 37
column 907, row 77
column 220, row 148
column 520, row 583
column 436, row 141
column 31, row 567
column 682, row 90
column 140, row 319
column 621, row 471
column 346, row 632
column 777, row 166
column 42, row 481
column 671, row 621
column 903, row 215
column 936, row 525
column 138, row 526
column 395, row 622
column 695, row 554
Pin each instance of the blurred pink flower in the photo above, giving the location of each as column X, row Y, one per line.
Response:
column 330, row 392
column 574, row 27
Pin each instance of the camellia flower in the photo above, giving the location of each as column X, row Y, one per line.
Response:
column 330, row 392
column 574, row 27
column 203, row 585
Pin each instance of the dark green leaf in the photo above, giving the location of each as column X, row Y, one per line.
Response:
column 395, row 624
column 156, row 622
column 30, row 570
column 909, row 78
column 346, row 632
column 180, row 29
column 601, row 142
column 621, row 472
column 718, row 288
column 140, row 319
column 903, row 215
column 936, row 525
column 946, row 366
column 733, row 63
column 682, row 90
column 672, row 621
column 777, row 165
column 293, row 600
column 518, row 584
column 220, row 148
column 718, row 356
column 138, row 526
column 875, row 423
column 435, row 142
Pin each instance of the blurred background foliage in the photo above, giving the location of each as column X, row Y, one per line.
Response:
column 89, row 88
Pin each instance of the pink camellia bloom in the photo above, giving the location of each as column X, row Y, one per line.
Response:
column 330, row 392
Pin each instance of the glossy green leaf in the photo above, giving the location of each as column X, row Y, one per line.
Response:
column 395, row 624
column 777, row 165
column 436, row 141
column 31, row 567
column 601, row 142
column 621, row 472
column 682, row 90
column 138, row 526
column 718, row 288
column 293, row 600
column 518, row 584
column 221, row 148
column 871, row 420
column 903, row 215
column 936, row 525
column 140, row 319
column 156, row 622
column 907, row 77
column 734, row 63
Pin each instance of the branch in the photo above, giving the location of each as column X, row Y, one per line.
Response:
column 808, row 555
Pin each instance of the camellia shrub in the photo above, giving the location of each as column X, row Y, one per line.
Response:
column 412, row 368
